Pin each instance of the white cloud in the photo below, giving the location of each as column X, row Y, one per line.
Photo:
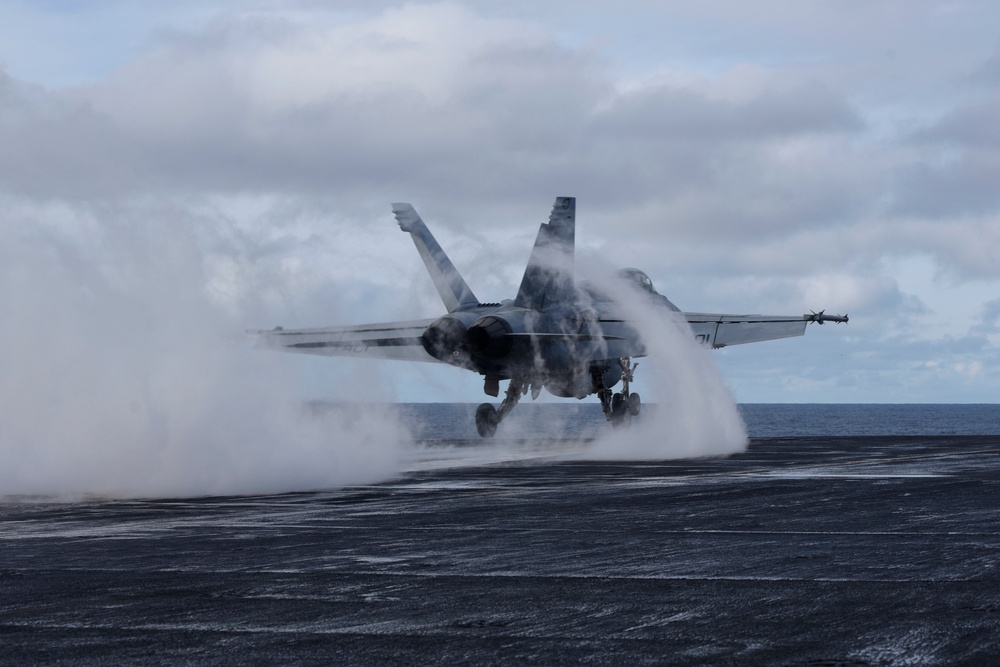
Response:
column 750, row 159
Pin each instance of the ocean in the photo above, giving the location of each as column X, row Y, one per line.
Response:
column 451, row 421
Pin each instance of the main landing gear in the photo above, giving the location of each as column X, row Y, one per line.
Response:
column 619, row 407
column 488, row 418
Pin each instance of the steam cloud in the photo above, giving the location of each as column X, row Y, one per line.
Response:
column 121, row 375
column 695, row 413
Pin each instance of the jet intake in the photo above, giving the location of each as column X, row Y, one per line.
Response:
column 488, row 337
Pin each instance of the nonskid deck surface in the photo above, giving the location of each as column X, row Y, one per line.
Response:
column 807, row 550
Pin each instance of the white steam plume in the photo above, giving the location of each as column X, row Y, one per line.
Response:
column 694, row 413
column 120, row 375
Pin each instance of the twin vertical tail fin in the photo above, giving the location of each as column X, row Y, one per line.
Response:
column 449, row 282
column 548, row 277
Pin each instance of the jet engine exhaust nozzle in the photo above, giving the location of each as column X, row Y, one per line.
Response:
column 444, row 340
column 489, row 337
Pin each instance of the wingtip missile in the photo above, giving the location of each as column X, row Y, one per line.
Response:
column 821, row 317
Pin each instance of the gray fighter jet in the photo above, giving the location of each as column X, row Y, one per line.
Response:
column 572, row 338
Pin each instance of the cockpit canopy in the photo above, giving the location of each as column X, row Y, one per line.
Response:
column 637, row 277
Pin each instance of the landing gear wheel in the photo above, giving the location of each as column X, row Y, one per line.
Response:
column 486, row 420
column 634, row 404
column 621, row 415
column 622, row 418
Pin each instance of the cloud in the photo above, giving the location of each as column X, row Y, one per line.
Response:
column 122, row 374
column 58, row 147
column 746, row 158
column 990, row 318
column 412, row 99
column 402, row 98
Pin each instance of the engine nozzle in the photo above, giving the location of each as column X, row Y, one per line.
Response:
column 489, row 337
column 444, row 340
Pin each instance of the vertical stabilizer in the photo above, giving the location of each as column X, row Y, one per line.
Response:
column 449, row 283
column 549, row 275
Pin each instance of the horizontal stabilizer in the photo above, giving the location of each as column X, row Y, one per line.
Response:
column 389, row 340
column 454, row 291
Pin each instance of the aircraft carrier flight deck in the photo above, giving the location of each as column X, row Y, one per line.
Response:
column 807, row 550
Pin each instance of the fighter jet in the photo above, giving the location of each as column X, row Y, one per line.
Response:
column 573, row 339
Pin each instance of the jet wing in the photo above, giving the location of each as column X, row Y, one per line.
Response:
column 718, row 330
column 389, row 340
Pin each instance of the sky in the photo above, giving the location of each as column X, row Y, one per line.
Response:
column 765, row 157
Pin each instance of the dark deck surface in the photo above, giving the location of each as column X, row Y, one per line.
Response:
column 817, row 551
